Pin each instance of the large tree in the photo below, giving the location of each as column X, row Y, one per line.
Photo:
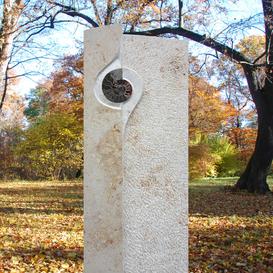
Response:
column 258, row 73
column 259, row 76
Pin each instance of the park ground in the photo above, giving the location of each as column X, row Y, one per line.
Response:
column 41, row 228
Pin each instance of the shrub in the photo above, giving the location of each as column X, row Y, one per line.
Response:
column 228, row 161
column 213, row 156
column 52, row 147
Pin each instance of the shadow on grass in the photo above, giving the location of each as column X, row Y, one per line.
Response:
column 52, row 191
column 217, row 200
column 68, row 210
column 35, row 198
column 53, row 253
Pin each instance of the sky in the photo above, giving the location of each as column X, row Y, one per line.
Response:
column 246, row 7
column 64, row 38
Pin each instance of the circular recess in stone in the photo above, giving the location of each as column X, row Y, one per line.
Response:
column 115, row 88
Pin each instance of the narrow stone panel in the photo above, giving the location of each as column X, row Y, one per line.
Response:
column 155, row 159
column 102, row 160
column 136, row 153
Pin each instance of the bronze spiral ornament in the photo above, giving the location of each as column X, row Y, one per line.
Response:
column 115, row 88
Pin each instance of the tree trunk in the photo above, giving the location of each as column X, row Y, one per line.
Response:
column 254, row 177
column 11, row 14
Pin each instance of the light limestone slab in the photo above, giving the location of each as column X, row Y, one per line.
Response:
column 136, row 156
column 102, row 161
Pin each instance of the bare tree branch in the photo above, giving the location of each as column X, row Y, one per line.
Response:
column 71, row 11
column 30, row 59
column 109, row 12
column 29, row 73
column 201, row 39
column 5, row 88
column 180, row 7
column 259, row 57
column 97, row 14
column 81, row 15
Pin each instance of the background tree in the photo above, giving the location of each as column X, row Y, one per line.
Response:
column 208, row 113
column 66, row 90
column 258, row 73
column 38, row 101
column 51, row 148
column 11, row 125
column 242, row 126
column 210, row 153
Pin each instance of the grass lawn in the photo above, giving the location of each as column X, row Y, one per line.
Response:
column 229, row 232
column 41, row 228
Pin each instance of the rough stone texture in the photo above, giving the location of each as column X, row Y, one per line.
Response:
column 145, row 141
column 155, row 158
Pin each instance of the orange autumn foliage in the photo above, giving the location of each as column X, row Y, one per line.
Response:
column 208, row 113
column 66, row 91
column 244, row 140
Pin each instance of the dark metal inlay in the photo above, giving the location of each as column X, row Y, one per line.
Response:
column 115, row 88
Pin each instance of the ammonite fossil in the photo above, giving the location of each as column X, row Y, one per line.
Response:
column 115, row 88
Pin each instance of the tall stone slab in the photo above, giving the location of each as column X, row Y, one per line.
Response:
column 136, row 154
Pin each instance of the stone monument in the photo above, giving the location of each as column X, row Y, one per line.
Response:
column 136, row 153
